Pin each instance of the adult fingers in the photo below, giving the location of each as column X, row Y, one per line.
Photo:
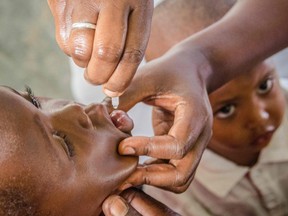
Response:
column 175, row 175
column 63, row 21
column 182, row 136
column 134, row 49
column 145, row 204
column 109, row 41
column 137, row 91
column 117, row 206
column 135, row 202
column 81, row 39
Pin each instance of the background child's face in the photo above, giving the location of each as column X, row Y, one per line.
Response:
column 68, row 155
column 247, row 111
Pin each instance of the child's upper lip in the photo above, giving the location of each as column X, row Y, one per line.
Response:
column 118, row 121
column 96, row 108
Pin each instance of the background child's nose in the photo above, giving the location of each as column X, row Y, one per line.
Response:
column 258, row 117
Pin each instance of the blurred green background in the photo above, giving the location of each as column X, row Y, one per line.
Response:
column 29, row 53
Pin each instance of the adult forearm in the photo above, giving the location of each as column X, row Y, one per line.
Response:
column 250, row 32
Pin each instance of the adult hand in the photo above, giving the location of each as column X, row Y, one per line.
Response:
column 135, row 202
column 182, row 120
column 112, row 52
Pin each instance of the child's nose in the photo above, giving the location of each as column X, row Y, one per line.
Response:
column 98, row 114
column 258, row 117
column 72, row 114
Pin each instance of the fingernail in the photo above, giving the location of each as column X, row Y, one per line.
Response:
column 119, row 207
column 111, row 93
column 86, row 76
column 129, row 151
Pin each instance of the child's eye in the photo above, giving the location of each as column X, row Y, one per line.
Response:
column 65, row 143
column 265, row 86
column 32, row 98
column 225, row 111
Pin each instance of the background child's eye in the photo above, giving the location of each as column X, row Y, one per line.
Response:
column 265, row 86
column 225, row 111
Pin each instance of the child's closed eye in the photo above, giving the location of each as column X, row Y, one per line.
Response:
column 32, row 98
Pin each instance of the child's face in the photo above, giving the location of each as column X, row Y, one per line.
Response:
column 247, row 111
column 67, row 153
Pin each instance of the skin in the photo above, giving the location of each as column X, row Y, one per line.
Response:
column 135, row 202
column 251, row 108
column 112, row 52
column 172, row 104
column 62, row 178
column 195, row 15
column 178, row 84
column 214, row 56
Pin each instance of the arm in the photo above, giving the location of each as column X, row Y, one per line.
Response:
column 249, row 33
column 178, row 83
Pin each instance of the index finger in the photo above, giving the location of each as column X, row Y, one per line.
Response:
column 134, row 49
column 172, row 175
column 182, row 136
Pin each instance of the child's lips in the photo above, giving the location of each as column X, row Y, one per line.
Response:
column 122, row 121
column 263, row 139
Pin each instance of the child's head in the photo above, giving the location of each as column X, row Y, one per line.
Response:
column 60, row 159
column 246, row 110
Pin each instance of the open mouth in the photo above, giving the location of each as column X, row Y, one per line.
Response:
column 122, row 121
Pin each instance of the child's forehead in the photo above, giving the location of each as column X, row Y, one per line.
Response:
column 247, row 81
column 8, row 107
column 13, row 115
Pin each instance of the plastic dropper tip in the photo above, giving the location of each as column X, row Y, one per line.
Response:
column 115, row 102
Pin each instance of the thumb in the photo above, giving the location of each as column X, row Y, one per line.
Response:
column 138, row 203
column 139, row 89
column 117, row 206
